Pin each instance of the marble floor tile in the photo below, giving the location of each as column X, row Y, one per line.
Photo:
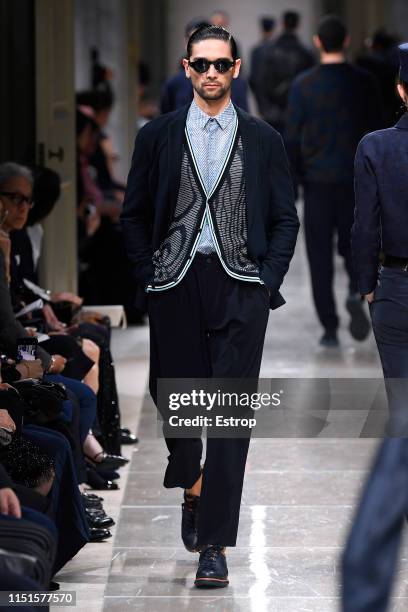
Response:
column 316, row 488
column 277, row 454
column 298, row 497
column 261, row 572
column 256, row 572
column 277, row 526
column 305, row 455
column 226, row 604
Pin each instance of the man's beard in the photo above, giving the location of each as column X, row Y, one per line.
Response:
column 208, row 94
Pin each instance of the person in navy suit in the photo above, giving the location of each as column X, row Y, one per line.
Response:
column 380, row 232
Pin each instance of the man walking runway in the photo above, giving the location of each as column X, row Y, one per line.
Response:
column 331, row 107
column 210, row 228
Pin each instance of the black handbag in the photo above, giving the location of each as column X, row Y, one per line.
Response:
column 44, row 400
column 11, row 401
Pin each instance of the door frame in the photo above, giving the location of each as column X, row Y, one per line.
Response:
column 54, row 23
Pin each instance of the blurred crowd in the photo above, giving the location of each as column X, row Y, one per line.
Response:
column 60, row 422
column 273, row 64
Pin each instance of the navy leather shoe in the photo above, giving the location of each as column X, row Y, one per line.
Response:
column 189, row 521
column 212, row 568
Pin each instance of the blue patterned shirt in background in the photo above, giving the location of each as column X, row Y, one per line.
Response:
column 211, row 139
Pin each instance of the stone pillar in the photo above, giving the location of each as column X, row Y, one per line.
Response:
column 363, row 18
column 103, row 24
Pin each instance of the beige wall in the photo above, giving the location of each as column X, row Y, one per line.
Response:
column 397, row 17
column 105, row 25
column 55, row 133
column 363, row 18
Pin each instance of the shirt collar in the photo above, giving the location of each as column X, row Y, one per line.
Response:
column 402, row 123
column 201, row 118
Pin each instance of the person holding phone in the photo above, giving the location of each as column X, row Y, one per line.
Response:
column 381, row 227
column 15, row 202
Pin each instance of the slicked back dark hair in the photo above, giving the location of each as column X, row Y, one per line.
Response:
column 211, row 32
column 332, row 33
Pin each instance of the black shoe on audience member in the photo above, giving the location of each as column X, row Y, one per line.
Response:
column 98, row 483
column 92, row 496
column 99, row 535
column 98, row 512
column 106, row 462
column 54, row 586
column 126, row 436
column 99, row 521
column 108, row 474
column 91, row 503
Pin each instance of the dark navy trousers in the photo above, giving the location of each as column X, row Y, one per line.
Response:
column 209, row 326
column 329, row 214
column 371, row 555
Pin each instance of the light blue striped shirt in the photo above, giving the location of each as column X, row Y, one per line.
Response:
column 211, row 140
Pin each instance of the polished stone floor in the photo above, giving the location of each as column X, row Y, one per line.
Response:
column 297, row 501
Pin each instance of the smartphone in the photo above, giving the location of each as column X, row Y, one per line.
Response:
column 27, row 349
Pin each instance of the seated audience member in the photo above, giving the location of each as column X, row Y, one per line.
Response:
column 35, row 454
column 35, row 527
column 65, row 497
column 43, row 460
column 26, row 495
column 10, row 331
column 16, row 198
column 85, row 345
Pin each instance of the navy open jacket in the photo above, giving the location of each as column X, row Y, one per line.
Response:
column 381, row 213
column 153, row 185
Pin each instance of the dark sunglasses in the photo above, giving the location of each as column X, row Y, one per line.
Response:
column 202, row 65
column 17, row 198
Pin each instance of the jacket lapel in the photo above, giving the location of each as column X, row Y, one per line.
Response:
column 174, row 153
column 249, row 135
